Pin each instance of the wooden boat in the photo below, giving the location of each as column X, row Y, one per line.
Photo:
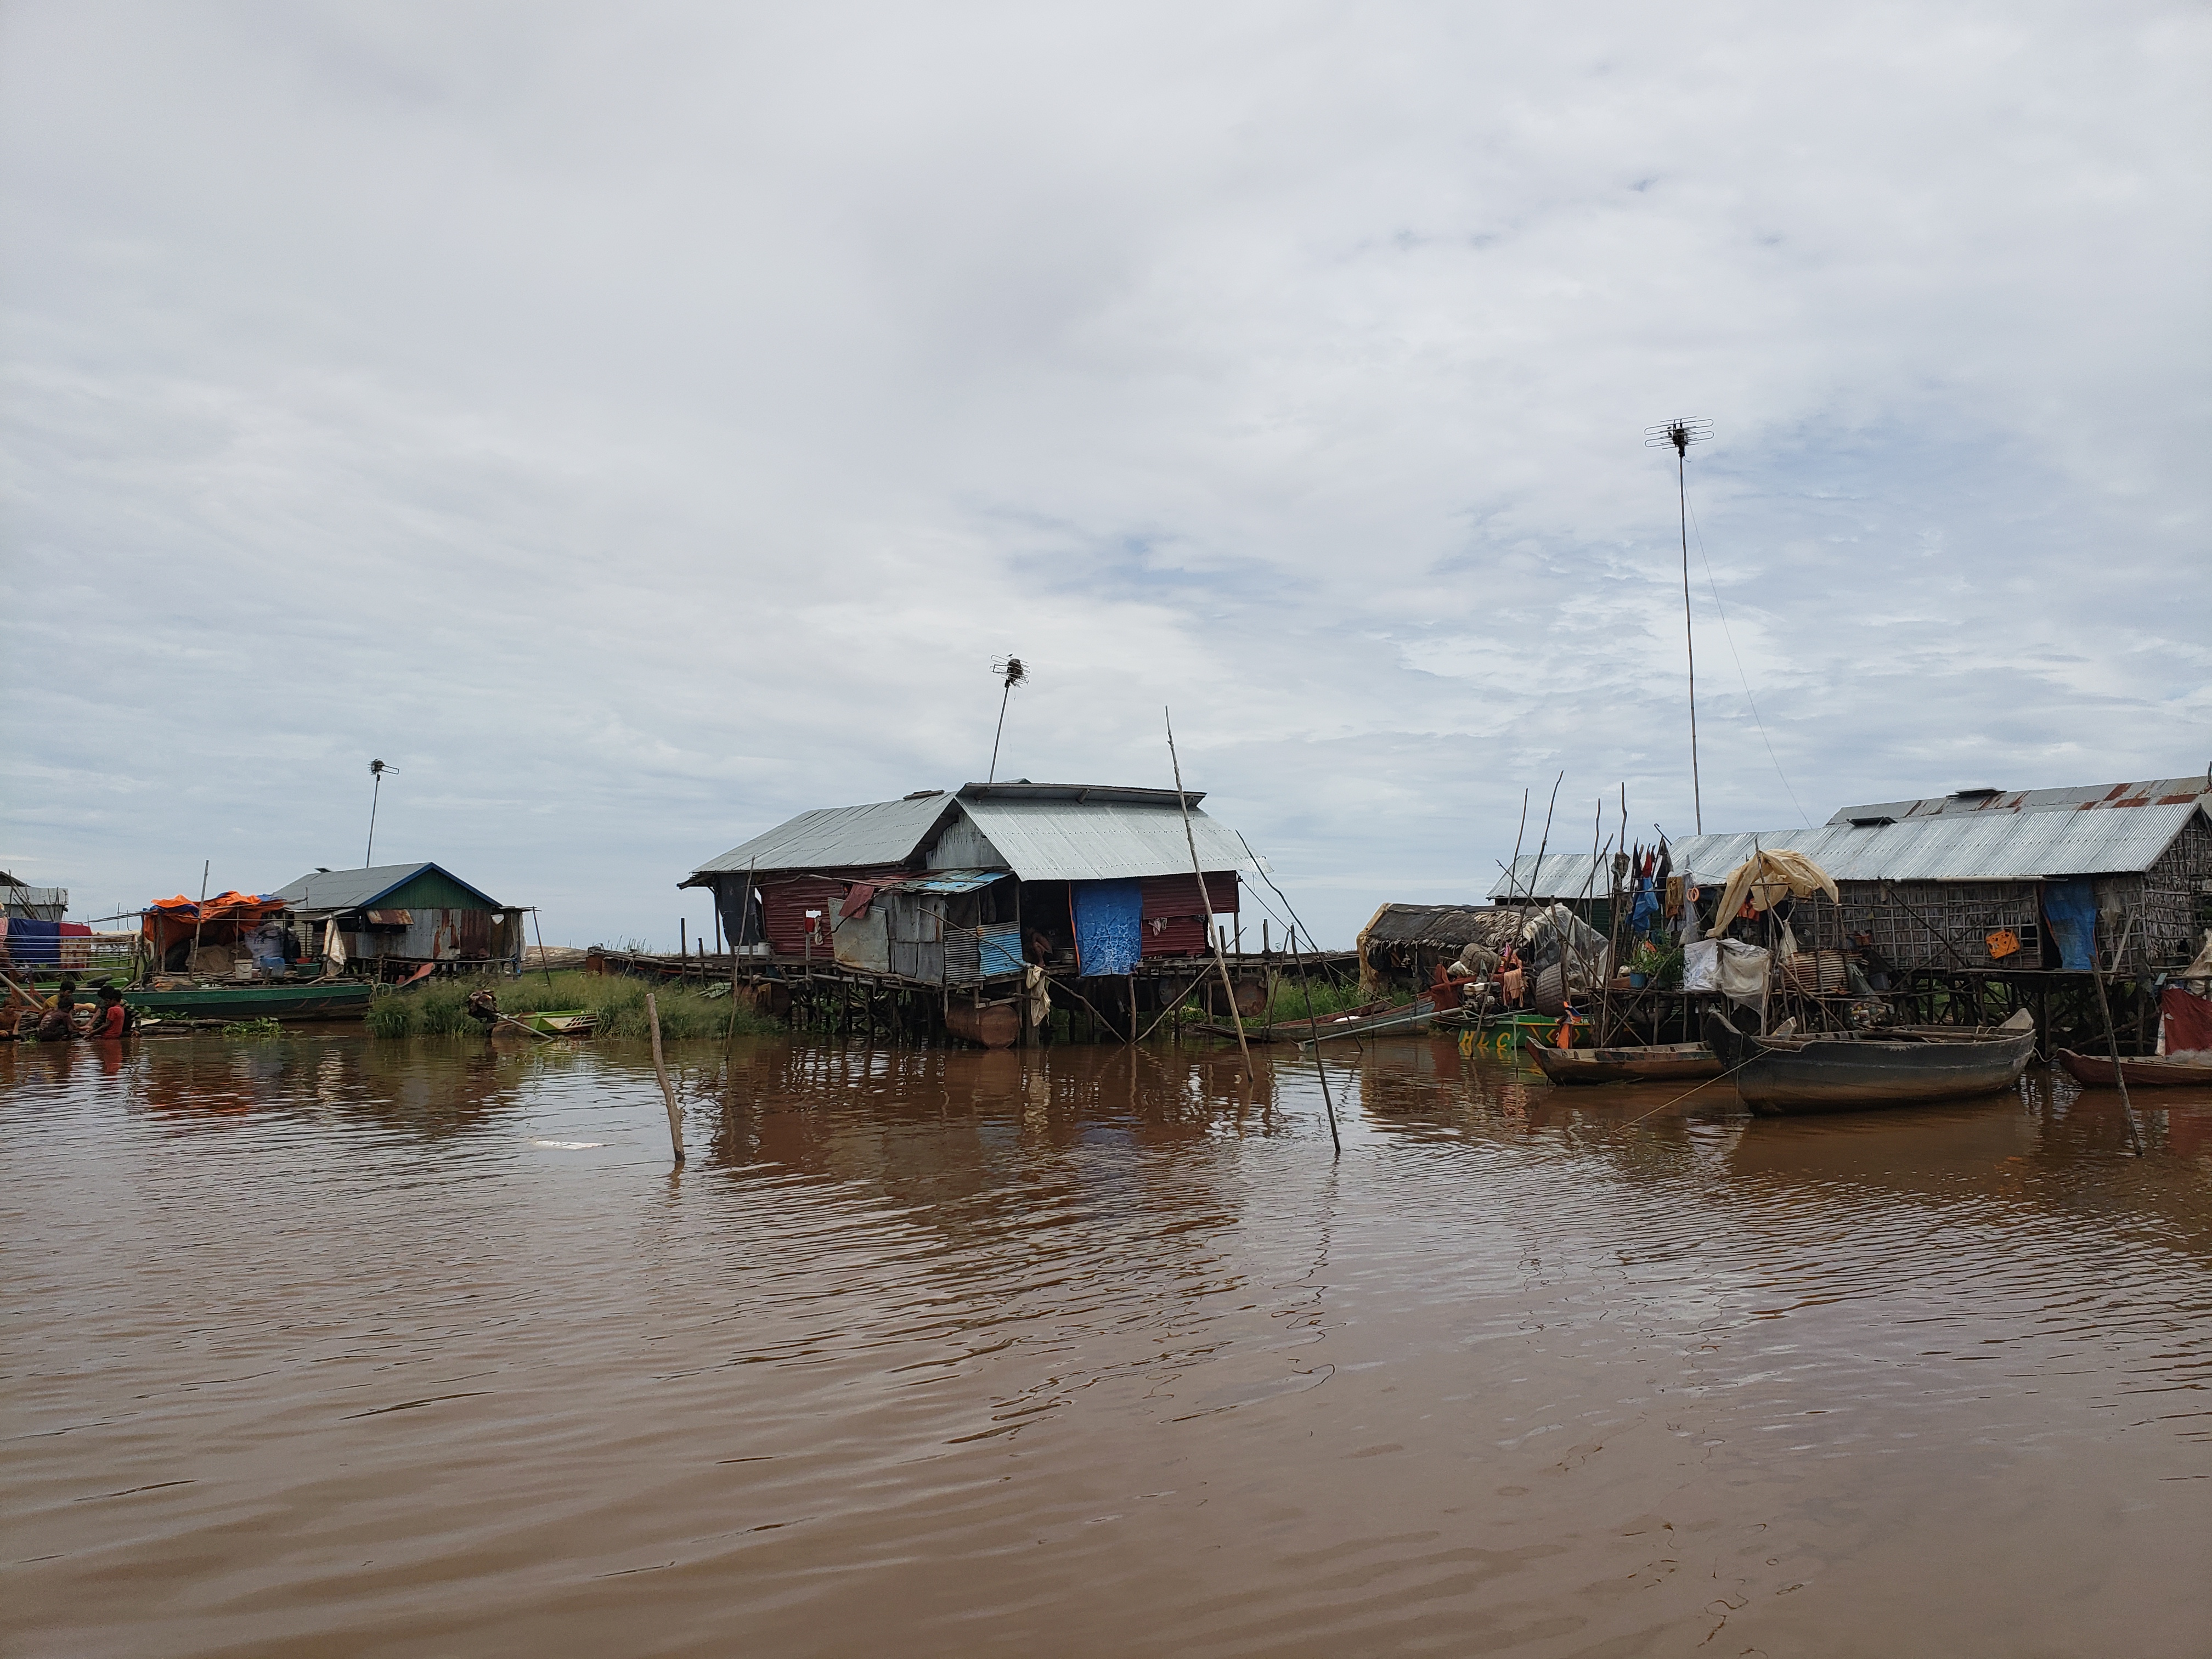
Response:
column 2141, row 1071
column 1514, row 1029
column 1842, row 1071
column 1660, row 1062
column 1418, row 1013
column 328, row 998
column 552, row 1022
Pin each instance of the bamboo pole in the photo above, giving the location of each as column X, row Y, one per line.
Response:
column 1206, row 898
column 199, row 918
column 1319, row 1070
column 2111, row 1037
column 660, row 1070
column 737, row 945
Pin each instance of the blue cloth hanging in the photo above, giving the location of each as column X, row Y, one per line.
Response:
column 1110, row 926
column 2070, row 909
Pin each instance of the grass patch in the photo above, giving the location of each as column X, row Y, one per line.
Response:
column 1330, row 997
column 253, row 1031
column 440, row 1007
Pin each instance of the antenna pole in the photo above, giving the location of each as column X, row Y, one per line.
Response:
column 1013, row 670
column 1689, row 640
column 993, row 776
column 377, row 769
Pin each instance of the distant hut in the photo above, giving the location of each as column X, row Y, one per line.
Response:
column 394, row 918
column 1405, row 944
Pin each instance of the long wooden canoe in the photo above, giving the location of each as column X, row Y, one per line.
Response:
column 2141, row 1071
column 1663, row 1061
column 1842, row 1071
column 335, row 999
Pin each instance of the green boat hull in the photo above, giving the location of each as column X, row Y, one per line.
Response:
column 329, row 1000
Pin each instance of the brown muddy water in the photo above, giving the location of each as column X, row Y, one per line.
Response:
column 328, row 1346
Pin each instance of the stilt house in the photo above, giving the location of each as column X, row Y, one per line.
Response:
column 961, row 889
column 1983, row 878
column 400, row 917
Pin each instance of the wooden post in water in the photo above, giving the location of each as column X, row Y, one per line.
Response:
column 736, row 946
column 660, row 1070
column 1212, row 928
column 2112, row 1038
column 1319, row 1070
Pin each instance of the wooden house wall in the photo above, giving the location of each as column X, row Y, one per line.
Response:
column 2166, row 900
column 1912, row 922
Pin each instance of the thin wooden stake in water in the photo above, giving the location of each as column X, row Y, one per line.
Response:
column 736, row 948
column 1212, row 931
column 667, row 1090
column 546, row 966
column 1319, row 1070
column 2112, row 1038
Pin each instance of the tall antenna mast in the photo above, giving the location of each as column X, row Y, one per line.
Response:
column 1012, row 670
column 377, row 769
column 1682, row 433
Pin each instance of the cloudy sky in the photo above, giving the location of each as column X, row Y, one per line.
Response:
column 639, row 423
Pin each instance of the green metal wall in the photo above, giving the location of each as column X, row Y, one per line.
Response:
column 431, row 890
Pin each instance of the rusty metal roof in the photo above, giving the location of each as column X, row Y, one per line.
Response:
column 2019, row 846
column 2156, row 791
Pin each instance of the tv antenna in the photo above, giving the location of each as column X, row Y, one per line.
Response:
column 1014, row 672
column 377, row 769
column 1680, row 434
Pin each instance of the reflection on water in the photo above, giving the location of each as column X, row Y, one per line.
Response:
column 350, row 1347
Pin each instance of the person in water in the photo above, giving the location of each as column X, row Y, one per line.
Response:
column 109, row 1024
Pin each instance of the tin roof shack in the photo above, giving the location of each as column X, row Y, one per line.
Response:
column 961, row 890
column 24, row 903
column 1935, row 889
column 394, row 918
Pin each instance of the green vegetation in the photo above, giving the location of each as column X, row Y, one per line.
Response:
column 1330, row 997
column 441, row 1006
column 253, row 1031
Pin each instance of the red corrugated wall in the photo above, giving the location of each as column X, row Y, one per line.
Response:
column 785, row 901
column 1174, row 917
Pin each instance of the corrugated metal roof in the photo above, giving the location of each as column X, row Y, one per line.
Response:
column 946, row 881
column 839, row 837
column 1560, row 876
column 352, row 890
column 1097, row 840
column 1112, row 795
column 2155, row 792
column 1981, row 846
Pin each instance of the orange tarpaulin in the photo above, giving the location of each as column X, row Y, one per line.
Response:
column 167, row 921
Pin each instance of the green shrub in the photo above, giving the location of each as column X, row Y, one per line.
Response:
column 439, row 1006
column 1330, row 997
